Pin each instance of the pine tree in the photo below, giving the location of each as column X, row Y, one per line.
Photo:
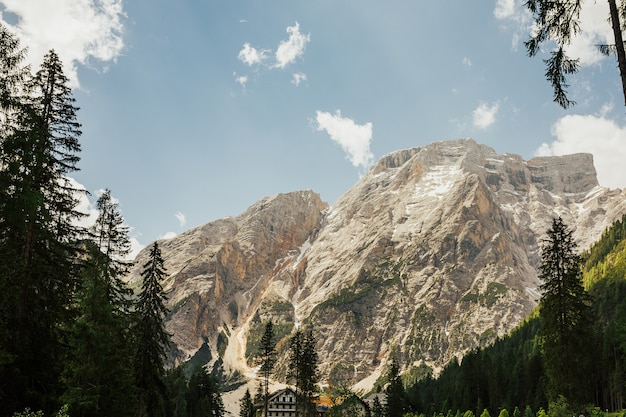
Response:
column 246, row 406
column 38, row 237
column 268, row 359
column 396, row 398
column 303, row 368
column 98, row 376
column 309, row 373
column 204, row 397
column 565, row 316
column 295, row 360
column 151, row 338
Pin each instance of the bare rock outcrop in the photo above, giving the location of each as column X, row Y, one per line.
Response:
column 432, row 253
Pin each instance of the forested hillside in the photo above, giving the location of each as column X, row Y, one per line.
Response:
column 511, row 373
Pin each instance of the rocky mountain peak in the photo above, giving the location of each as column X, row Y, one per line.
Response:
column 432, row 253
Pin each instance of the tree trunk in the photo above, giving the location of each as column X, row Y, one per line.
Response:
column 619, row 44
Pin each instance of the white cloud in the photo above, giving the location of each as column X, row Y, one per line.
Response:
column 593, row 134
column 288, row 51
column 595, row 30
column 298, row 77
column 467, row 62
column 354, row 139
column 252, row 56
column 78, row 30
column 242, row 80
column 505, row 9
column 485, row 115
column 182, row 220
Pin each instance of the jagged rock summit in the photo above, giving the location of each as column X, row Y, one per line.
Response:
column 432, row 253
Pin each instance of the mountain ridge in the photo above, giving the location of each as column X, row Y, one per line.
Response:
column 433, row 252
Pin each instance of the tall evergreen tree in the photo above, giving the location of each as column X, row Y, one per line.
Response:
column 565, row 316
column 38, row 236
column 268, row 359
column 151, row 338
column 98, row 376
column 246, row 406
column 309, row 373
column 396, row 398
column 303, row 368
column 295, row 360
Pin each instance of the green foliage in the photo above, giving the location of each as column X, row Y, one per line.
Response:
column 303, row 368
column 151, row 338
column 38, row 237
column 267, row 356
column 566, row 317
column 369, row 284
column 255, row 334
column 560, row 408
column 396, row 404
column 246, row 406
column 98, row 375
column 63, row 412
column 493, row 293
column 204, row 397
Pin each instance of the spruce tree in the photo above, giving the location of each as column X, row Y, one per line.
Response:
column 98, row 377
column 268, row 359
column 38, row 237
column 151, row 338
column 246, row 406
column 295, row 360
column 565, row 316
column 396, row 398
column 309, row 373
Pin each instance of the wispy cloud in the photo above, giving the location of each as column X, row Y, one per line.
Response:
column 354, row 139
column 252, row 56
column 298, row 77
column 594, row 134
column 288, row 51
column 485, row 115
column 80, row 31
column 505, row 9
column 242, row 80
column 182, row 220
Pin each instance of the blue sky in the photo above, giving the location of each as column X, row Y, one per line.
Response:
column 194, row 109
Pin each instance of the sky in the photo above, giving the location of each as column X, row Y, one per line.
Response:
column 193, row 110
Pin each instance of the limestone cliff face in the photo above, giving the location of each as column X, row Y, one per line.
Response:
column 432, row 253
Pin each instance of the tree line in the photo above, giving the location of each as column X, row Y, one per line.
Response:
column 73, row 336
